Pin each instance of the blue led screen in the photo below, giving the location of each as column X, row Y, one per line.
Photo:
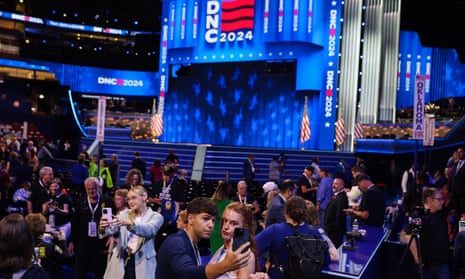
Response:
column 105, row 81
column 236, row 104
column 444, row 72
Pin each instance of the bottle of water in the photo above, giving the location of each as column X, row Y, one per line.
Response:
column 355, row 225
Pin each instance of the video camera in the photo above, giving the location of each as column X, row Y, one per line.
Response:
column 416, row 219
column 351, row 237
column 282, row 158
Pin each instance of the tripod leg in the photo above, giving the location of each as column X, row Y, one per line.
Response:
column 420, row 258
column 406, row 250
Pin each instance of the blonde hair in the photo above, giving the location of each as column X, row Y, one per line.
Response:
column 141, row 191
column 183, row 216
column 270, row 196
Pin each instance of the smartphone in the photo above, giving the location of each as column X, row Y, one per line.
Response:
column 107, row 213
column 461, row 226
column 241, row 236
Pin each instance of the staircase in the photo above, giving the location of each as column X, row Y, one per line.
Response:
column 219, row 162
column 149, row 152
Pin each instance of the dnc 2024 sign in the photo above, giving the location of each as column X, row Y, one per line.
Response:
column 229, row 21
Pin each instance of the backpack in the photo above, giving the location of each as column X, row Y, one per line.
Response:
column 307, row 254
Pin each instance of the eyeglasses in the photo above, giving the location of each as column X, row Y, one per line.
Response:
column 439, row 199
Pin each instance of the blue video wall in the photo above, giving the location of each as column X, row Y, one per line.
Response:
column 104, row 81
column 443, row 71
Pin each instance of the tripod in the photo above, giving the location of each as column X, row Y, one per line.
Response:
column 415, row 236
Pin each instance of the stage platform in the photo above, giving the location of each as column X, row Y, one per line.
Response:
column 220, row 162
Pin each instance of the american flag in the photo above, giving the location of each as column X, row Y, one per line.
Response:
column 340, row 131
column 156, row 122
column 358, row 129
column 305, row 132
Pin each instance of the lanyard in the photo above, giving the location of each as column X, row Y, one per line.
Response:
column 244, row 201
column 194, row 247
column 220, row 255
column 165, row 188
column 92, row 210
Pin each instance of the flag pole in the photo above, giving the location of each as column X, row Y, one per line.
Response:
column 339, row 133
column 153, row 121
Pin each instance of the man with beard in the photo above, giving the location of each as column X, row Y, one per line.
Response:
column 335, row 218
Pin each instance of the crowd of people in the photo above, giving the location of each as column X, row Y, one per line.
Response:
column 97, row 227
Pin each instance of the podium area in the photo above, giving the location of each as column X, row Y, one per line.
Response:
column 373, row 256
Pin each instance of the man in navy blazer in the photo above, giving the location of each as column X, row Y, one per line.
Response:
column 335, row 217
column 275, row 212
column 248, row 169
column 179, row 256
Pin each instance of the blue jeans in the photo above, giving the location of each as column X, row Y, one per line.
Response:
column 437, row 272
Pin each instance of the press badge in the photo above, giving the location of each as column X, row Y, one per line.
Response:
column 92, row 229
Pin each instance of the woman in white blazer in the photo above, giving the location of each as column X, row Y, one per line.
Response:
column 134, row 255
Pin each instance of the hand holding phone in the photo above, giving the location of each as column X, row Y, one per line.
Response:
column 241, row 236
column 107, row 214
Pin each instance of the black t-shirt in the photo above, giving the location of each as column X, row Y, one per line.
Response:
column 175, row 192
column 249, row 200
column 80, row 223
column 309, row 183
column 52, row 256
column 373, row 200
column 434, row 239
column 60, row 218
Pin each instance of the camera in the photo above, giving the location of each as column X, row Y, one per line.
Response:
column 350, row 243
column 415, row 220
column 282, row 158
